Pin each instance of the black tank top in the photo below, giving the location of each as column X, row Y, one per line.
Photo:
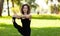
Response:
column 25, row 23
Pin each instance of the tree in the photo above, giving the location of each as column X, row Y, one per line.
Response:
column 12, row 3
column 18, row 2
column 58, row 0
column 32, row 3
column 8, row 7
column 58, row 7
column 1, row 6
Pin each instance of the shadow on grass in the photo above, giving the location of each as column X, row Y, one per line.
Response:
column 9, row 30
column 47, row 17
column 46, row 31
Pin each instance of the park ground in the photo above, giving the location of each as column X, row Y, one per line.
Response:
column 39, row 27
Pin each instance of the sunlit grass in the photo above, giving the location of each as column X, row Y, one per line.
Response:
column 35, row 22
column 40, row 27
column 9, row 30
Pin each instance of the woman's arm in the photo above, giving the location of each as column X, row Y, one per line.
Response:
column 16, row 16
column 28, row 16
column 22, row 16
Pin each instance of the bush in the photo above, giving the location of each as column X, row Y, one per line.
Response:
column 52, row 16
column 45, row 16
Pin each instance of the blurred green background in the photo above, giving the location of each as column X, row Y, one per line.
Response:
column 45, row 17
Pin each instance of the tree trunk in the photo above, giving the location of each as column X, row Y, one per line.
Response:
column 1, row 6
column 12, row 3
column 8, row 7
column 58, row 0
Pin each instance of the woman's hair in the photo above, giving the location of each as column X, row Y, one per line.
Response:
column 28, row 12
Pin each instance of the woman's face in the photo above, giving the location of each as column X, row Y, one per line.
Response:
column 25, row 9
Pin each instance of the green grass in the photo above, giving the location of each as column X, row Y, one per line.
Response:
column 39, row 27
column 46, row 31
column 9, row 30
column 45, row 16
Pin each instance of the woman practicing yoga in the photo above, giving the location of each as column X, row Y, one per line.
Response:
column 25, row 20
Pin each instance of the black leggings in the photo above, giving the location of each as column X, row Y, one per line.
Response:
column 23, row 30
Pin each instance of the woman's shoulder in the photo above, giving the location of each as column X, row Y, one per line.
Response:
column 29, row 14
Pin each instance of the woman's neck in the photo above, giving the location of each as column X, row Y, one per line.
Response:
column 25, row 13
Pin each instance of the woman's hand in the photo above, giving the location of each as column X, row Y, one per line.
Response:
column 22, row 16
column 28, row 16
column 16, row 16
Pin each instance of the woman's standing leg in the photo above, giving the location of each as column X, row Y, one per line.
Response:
column 27, row 29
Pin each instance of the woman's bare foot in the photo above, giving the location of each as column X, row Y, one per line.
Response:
column 13, row 19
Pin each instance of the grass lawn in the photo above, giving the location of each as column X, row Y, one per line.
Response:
column 40, row 27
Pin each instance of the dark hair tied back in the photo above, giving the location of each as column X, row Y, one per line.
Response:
column 28, row 12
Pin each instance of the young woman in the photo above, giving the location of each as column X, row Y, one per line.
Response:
column 25, row 20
